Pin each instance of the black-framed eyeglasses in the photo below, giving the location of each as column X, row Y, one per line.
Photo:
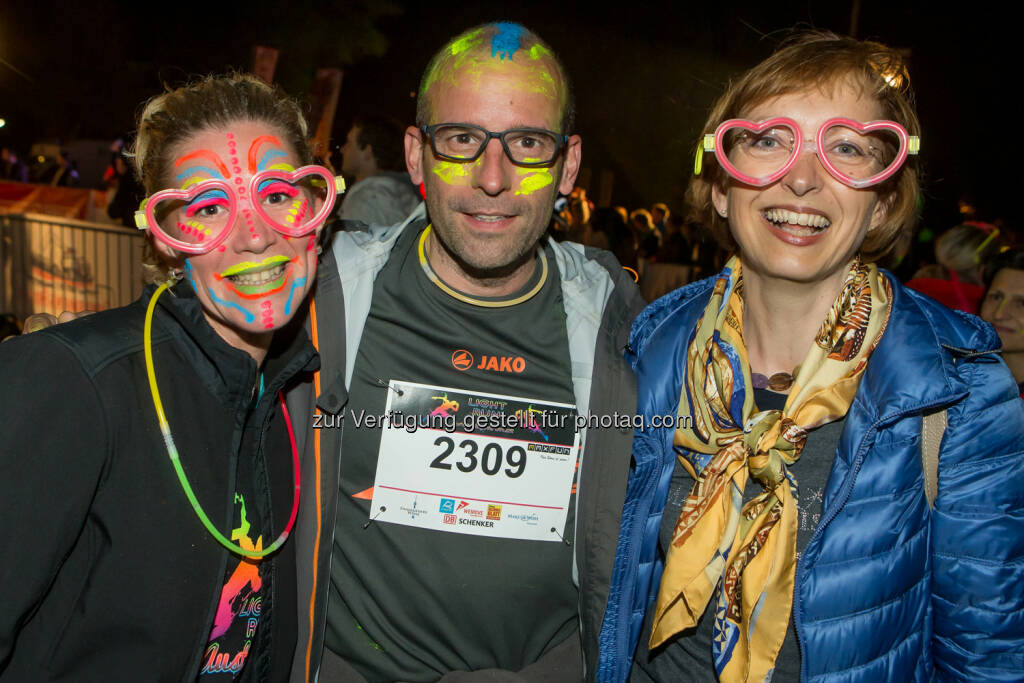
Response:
column 466, row 142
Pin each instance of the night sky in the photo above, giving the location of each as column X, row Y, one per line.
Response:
column 645, row 73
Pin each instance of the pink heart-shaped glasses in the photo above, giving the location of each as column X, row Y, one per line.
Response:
column 199, row 219
column 760, row 153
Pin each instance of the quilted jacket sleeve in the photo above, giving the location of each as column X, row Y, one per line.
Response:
column 978, row 533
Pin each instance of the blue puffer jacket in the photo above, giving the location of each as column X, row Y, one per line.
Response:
column 886, row 590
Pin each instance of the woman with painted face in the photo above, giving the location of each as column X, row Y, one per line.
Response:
column 150, row 476
column 779, row 527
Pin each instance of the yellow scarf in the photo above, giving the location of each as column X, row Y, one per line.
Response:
column 748, row 551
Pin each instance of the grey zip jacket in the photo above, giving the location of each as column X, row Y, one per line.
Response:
column 601, row 301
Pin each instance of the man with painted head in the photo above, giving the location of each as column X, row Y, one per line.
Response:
column 476, row 522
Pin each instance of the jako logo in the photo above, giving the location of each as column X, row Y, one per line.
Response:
column 502, row 363
column 462, row 359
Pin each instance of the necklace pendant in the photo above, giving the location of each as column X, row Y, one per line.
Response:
column 780, row 382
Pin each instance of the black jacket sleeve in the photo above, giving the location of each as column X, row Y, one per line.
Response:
column 53, row 446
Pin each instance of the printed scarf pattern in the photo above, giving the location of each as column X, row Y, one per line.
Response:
column 747, row 552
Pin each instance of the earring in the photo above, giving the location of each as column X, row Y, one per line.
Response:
column 723, row 212
column 174, row 275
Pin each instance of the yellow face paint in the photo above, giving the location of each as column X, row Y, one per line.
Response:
column 452, row 173
column 458, row 51
column 535, row 179
column 466, row 60
column 538, row 51
column 466, row 41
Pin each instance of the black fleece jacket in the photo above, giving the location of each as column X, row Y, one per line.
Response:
column 106, row 573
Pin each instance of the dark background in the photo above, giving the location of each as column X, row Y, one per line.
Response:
column 645, row 73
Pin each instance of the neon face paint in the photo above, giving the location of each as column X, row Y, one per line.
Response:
column 256, row 280
column 291, row 294
column 468, row 62
column 458, row 50
column 505, row 42
column 249, row 280
column 533, row 179
column 538, row 51
column 266, row 158
column 465, row 42
column 188, row 173
column 247, row 316
column 497, row 93
column 207, row 155
column 267, row 313
column 247, row 215
column 453, row 173
column 254, row 148
column 298, row 211
column 248, row 266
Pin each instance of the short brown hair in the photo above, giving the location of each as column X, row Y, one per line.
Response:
column 214, row 101
column 822, row 60
column 472, row 42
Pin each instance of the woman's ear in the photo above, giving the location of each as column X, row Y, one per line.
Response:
column 881, row 211
column 173, row 258
column 720, row 200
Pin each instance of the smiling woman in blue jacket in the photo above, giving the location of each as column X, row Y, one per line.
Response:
column 776, row 522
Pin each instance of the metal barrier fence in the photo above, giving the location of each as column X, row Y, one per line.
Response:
column 50, row 264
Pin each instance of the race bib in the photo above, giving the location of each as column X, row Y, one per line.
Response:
column 474, row 463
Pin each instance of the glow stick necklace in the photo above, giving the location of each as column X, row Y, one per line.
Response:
column 172, row 451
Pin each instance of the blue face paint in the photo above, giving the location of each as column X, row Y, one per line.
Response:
column 191, row 171
column 270, row 154
column 505, row 42
column 295, row 285
column 249, row 317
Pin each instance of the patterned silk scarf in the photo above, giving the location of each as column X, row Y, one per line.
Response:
column 748, row 551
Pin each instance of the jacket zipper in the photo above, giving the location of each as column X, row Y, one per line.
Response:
column 632, row 542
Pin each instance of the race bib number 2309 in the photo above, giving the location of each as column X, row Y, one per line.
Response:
column 475, row 463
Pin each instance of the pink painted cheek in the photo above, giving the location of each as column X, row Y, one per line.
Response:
column 222, row 248
column 267, row 314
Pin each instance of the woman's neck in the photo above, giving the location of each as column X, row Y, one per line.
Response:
column 782, row 317
column 256, row 344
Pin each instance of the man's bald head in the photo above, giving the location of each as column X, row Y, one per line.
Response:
column 497, row 48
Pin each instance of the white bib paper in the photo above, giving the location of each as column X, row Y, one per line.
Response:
column 474, row 463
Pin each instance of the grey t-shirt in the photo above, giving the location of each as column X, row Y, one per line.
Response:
column 687, row 657
column 407, row 603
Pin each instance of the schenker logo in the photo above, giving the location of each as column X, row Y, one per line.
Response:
column 462, row 359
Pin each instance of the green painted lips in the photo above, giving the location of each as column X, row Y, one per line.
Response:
column 249, row 267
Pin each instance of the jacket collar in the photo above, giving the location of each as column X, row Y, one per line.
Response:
column 227, row 372
column 913, row 367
